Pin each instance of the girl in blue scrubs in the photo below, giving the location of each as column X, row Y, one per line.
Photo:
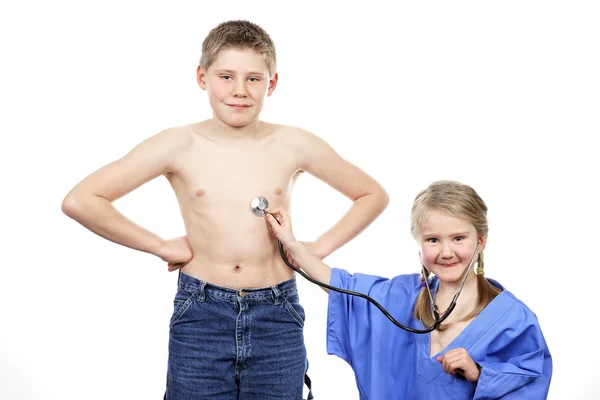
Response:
column 490, row 347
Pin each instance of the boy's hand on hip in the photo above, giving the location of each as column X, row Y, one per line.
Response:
column 177, row 253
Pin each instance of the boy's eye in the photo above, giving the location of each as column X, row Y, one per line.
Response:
column 432, row 240
column 226, row 77
column 253, row 79
column 459, row 238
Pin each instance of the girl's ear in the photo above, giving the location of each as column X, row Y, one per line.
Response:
column 482, row 242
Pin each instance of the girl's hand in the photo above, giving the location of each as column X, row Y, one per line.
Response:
column 459, row 361
column 283, row 229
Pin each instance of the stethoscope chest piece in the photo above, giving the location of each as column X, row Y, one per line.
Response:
column 259, row 205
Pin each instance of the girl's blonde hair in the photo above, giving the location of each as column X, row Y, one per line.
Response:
column 462, row 201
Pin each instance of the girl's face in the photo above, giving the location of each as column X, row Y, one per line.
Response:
column 447, row 245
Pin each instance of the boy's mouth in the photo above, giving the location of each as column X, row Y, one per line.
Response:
column 238, row 106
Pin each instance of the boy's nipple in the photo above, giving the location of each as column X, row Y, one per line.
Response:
column 278, row 191
column 200, row 192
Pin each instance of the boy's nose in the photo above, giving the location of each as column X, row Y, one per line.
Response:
column 239, row 90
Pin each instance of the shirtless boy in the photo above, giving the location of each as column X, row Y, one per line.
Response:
column 236, row 330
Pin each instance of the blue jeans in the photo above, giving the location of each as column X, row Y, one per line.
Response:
column 236, row 344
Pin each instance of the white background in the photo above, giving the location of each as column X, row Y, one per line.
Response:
column 503, row 96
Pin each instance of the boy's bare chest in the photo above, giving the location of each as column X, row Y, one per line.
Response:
column 238, row 175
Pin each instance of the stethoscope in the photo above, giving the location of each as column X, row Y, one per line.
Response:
column 259, row 207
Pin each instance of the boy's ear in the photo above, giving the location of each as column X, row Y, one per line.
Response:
column 201, row 77
column 272, row 84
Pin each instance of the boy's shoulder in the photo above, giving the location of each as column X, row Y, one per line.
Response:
column 301, row 139
column 182, row 133
column 165, row 142
column 290, row 131
column 296, row 138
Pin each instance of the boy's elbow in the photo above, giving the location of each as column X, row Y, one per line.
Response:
column 378, row 197
column 70, row 205
column 383, row 197
column 74, row 205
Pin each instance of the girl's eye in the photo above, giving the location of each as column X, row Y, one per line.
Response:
column 253, row 79
column 432, row 240
column 459, row 238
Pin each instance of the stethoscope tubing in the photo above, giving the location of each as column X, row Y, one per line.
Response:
column 438, row 320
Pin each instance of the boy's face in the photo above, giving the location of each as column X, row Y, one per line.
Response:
column 237, row 83
column 447, row 244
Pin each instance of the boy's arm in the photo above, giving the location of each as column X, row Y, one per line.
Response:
column 369, row 198
column 90, row 201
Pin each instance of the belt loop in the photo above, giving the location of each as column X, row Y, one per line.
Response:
column 201, row 294
column 276, row 295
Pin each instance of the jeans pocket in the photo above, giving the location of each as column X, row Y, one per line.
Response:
column 182, row 301
column 294, row 309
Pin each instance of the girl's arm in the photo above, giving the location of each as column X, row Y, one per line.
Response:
column 303, row 258
column 518, row 363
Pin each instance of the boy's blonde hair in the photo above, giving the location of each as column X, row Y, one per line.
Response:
column 462, row 201
column 238, row 34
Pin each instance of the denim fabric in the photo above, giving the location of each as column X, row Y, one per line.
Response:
column 236, row 344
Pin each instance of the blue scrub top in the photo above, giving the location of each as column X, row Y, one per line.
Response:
column 390, row 363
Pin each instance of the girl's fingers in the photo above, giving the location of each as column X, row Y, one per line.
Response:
column 276, row 219
column 278, row 213
column 275, row 211
column 453, row 366
column 272, row 221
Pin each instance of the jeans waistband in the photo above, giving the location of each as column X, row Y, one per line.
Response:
column 272, row 293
